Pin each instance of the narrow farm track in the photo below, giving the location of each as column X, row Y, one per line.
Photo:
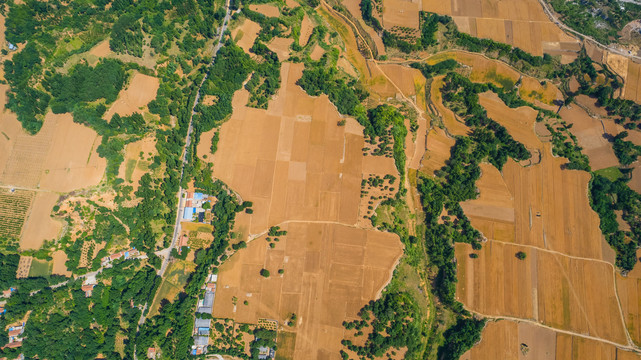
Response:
column 630, row 344
column 536, row 323
column 551, row 15
column 614, row 280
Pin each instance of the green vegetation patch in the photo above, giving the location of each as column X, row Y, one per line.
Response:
column 40, row 268
column 612, row 173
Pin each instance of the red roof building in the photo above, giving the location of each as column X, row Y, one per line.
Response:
column 151, row 353
column 88, row 289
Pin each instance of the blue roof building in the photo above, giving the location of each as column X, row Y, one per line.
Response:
column 188, row 214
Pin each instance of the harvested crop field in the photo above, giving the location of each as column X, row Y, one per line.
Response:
column 59, row 267
column 306, row 28
column 40, row 226
column 245, row 34
column 438, row 151
column 23, row 267
column 72, row 161
column 266, row 9
column 632, row 89
column 521, row 23
column 552, row 210
column 409, row 81
column 551, row 207
column 330, row 272
column 510, row 340
column 591, row 135
column 281, row 46
column 135, row 97
column 519, row 122
column 401, row 14
column 292, row 160
column 61, row 157
column 562, row 292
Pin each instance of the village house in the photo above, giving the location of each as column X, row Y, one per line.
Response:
column 151, row 353
column 88, row 289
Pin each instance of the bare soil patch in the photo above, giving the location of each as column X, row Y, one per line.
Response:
column 306, row 28
column 59, row 267
column 40, row 226
column 135, row 97
column 268, row 10
column 281, row 46
column 245, row 35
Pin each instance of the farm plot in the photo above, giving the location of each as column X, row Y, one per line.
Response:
column 551, row 207
column 510, row 340
column 306, row 28
column 23, row 267
column 138, row 156
column 135, row 97
column 26, row 161
column 591, row 135
column 629, row 291
column 438, row 146
column 268, row 10
column 492, row 213
column 329, row 272
column 292, row 160
column 72, row 160
column 521, row 23
column 14, row 206
column 632, row 88
column 562, row 292
column 245, row 34
column 500, row 74
column 401, row 16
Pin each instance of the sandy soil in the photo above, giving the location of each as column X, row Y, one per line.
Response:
column 266, row 9
column 135, row 97
column 330, row 272
column 246, row 34
column 521, row 23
